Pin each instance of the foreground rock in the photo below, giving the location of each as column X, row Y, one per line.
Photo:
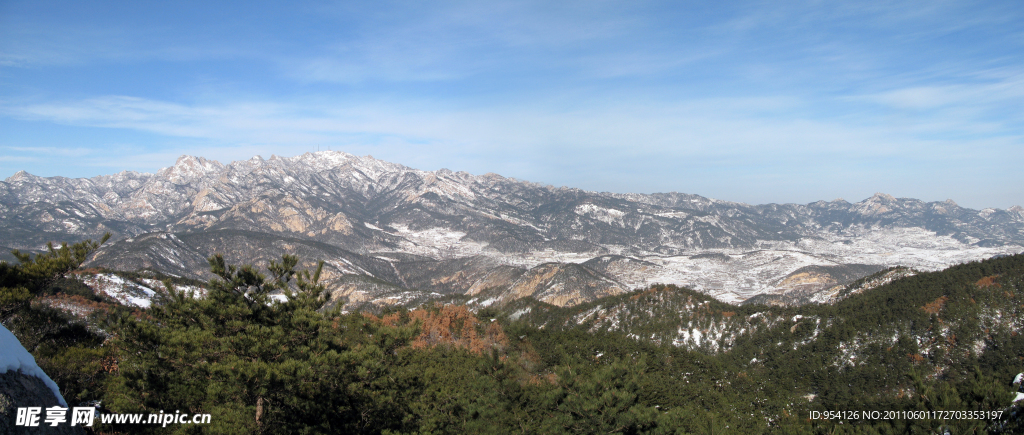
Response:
column 24, row 384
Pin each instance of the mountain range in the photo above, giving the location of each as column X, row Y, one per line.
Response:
column 390, row 234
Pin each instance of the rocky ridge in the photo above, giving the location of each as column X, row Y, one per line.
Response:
column 389, row 233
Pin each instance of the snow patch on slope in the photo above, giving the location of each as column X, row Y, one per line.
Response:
column 438, row 242
column 125, row 291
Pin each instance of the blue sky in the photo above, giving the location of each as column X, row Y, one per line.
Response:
column 755, row 102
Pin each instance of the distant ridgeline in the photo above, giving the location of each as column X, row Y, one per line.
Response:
column 392, row 235
column 269, row 350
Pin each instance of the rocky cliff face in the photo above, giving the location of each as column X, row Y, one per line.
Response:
column 450, row 232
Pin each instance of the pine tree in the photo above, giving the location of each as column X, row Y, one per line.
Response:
column 65, row 348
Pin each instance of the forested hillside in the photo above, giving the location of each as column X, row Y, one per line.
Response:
column 267, row 351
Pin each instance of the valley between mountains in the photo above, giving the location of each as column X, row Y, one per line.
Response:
column 393, row 235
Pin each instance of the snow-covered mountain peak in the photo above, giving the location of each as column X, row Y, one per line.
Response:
column 880, row 197
column 324, row 160
column 22, row 176
column 190, row 168
column 877, row 204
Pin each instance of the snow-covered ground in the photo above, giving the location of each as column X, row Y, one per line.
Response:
column 747, row 273
column 132, row 293
column 536, row 258
column 14, row 357
column 917, row 248
column 438, row 243
column 190, row 290
column 125, row 291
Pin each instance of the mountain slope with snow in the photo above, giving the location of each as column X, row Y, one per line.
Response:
column 382, row 220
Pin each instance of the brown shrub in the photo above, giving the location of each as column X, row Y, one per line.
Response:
column 935, row 306
column 455, row 325
column 988, row 281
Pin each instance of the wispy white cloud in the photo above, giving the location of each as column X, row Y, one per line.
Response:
column 439, row 42
column 20, row 159
column 734, row 128
column 975, row 107
column 999, row 91
column 51, row 151
column 35, row 45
